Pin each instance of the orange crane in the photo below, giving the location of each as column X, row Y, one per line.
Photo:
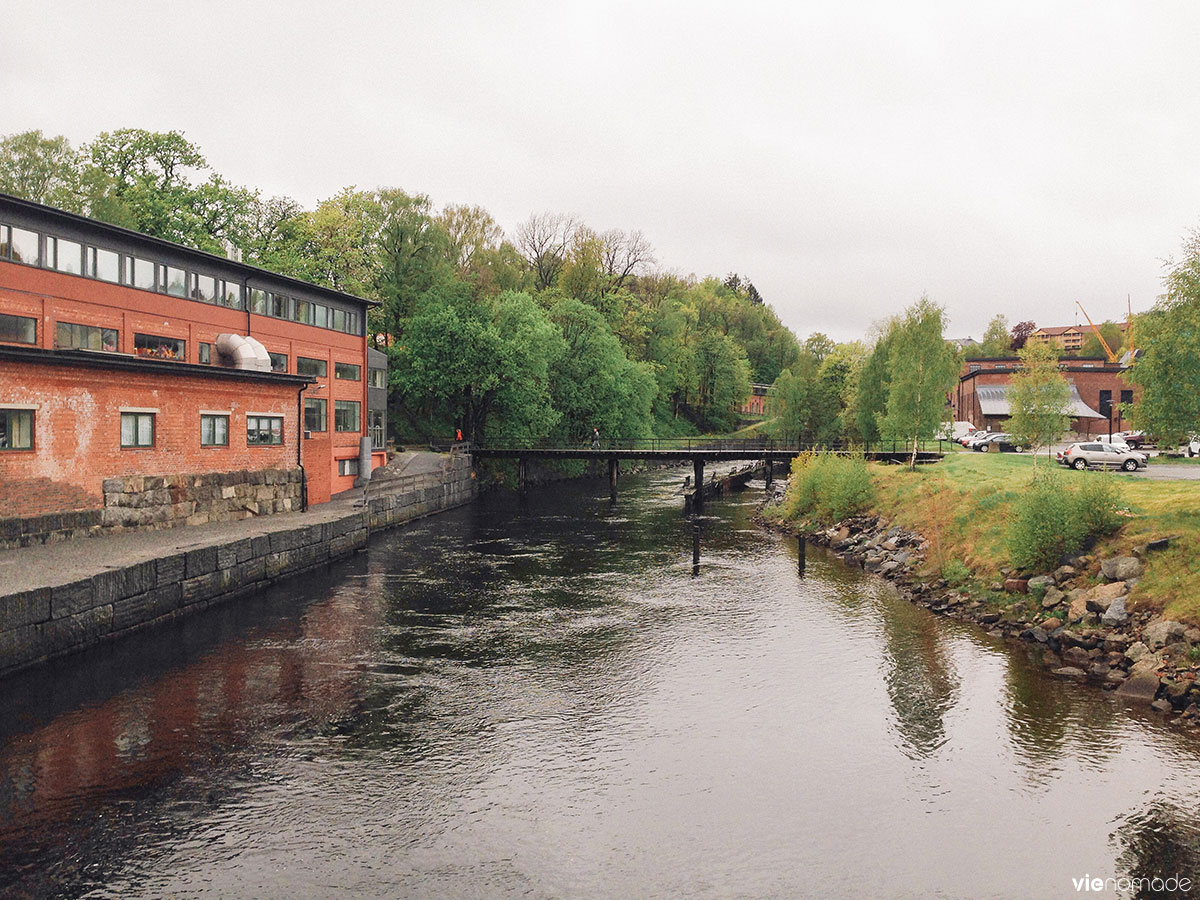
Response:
column 1112, row 357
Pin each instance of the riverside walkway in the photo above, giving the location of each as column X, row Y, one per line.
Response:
column 61, row 597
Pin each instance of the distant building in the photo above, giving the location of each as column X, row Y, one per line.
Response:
column 1068, row 338
column 756, row 404
column 1098, row 389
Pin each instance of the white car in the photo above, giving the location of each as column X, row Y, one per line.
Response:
column 1095, row 454
column 1193, row 445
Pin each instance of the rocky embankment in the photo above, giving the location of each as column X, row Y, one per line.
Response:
column 1079, row 615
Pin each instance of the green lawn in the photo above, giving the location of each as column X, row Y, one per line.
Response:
column 963, row 505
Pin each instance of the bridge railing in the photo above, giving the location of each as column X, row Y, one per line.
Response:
column 739, row 445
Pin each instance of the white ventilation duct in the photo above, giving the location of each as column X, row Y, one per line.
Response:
column 242, row 352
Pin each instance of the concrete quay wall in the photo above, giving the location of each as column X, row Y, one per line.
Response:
column 42, row 623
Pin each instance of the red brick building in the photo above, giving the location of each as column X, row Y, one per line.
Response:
column 111, row 364
column 755, row 406
column 1098, row 388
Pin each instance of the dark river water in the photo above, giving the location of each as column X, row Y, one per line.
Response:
column 543, row 700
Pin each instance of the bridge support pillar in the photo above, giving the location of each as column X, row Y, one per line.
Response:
column 522, row 475
column 612, row 477
column 769, row 474
column 698, row 470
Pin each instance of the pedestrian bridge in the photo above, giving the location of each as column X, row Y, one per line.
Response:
column 697, row 450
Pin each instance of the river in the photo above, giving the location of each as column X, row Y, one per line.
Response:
column 545, row 699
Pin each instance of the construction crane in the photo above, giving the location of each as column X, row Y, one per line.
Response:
column 1112, row 357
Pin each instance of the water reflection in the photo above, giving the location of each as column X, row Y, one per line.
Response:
column 921, row 681
column 1158, row 844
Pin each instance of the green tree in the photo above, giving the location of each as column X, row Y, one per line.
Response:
column 870, row 400
column 996, row 339
column 922, row 371
column 1039, row 398
column 1169, row 337
column 43, row 169
column 1112, row 334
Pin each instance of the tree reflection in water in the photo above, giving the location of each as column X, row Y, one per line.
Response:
column 1159, row 841
column 921, row 681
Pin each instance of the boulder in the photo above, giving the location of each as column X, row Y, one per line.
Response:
column 1161, row 706
column 1078, row 608
column 1147, row 665
column 1053, row 597
column 1136, row 651
column 1070, row 672
column 1139, row 688
column 1100, row 598
column 1162, row 632
column 1016, row 585
column 1116, row 614
column 1176, row 692
column 1039, row 581
column 1121, row 568
column 1065, row 573
column 1051, row 624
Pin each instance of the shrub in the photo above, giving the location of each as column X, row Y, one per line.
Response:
column 1052, row 519
column 825, row 488
column 956, row 572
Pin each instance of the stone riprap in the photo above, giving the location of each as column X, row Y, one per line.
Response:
column 64, row 598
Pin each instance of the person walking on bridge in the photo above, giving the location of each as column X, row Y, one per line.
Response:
column 595, row 438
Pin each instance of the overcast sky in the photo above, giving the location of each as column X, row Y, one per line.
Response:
column 1002, row 157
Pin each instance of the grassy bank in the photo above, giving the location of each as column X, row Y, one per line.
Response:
column 965, row 505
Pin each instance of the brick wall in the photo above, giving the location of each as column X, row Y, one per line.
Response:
column 77, row 430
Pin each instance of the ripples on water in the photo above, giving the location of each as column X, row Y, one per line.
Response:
column 541, row 700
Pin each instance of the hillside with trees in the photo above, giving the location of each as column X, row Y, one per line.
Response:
column 543, row 331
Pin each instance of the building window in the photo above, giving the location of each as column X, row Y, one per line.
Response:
column 204, row 354
column 16, row 429
column 339, row 320
column 304, row 312
column 278, row 362
column 314, row 414
column 348, row 466
column 347, row 371
column 65, row 256
column 307, row 366
column 173, row 281
column 258, row 301
column 204, row 288
column 214, row 431
column 5, row 242
column 377, row 378
column 974, row 367
column 18, row 329
column 278, row 306
column 85, row 337
column 1126, row 398
column 231, row 294
column 103, row 264
column 346, row 415
column 23, row 246
column 320, row 315
column 261, row 430
column 156, row 347
column 375, row 420
column 137, row 429
column 139, row 273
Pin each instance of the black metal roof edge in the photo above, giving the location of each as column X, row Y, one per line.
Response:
column 102, row 360
column 1110, row 368
column 130, row 234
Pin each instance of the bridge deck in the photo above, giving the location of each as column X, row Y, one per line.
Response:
column 680, row 454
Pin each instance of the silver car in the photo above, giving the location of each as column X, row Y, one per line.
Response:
column 1098, row 455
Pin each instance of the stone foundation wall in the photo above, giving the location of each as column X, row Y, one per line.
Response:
column 164, row 501
column 143, row 502
column 49, row 622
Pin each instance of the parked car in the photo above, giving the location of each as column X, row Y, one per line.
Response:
column 976, row 437
column 955, row 431
column 1098, row 455
column 1134, row 439
column 1001, row 442
column 1193, row 445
